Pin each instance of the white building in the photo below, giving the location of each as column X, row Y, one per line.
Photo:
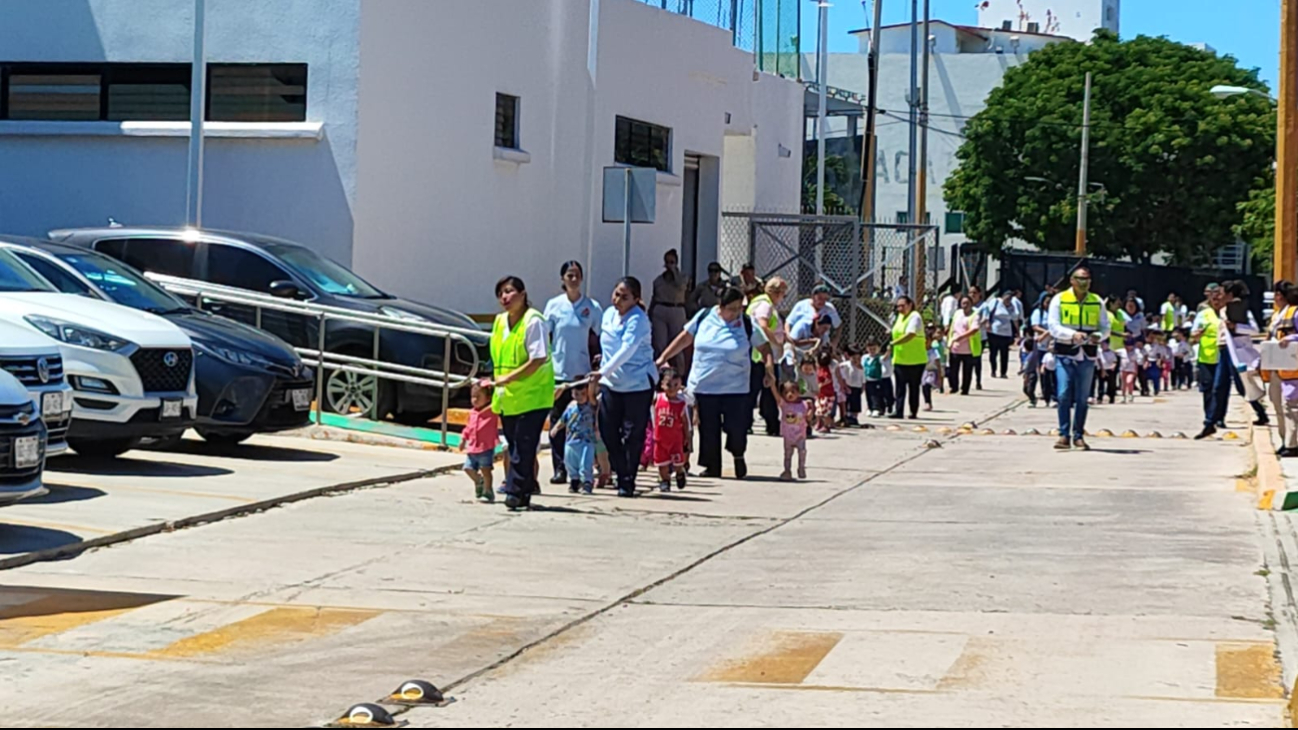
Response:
column 432, row 145
column 967, row 63
column 1077, row 19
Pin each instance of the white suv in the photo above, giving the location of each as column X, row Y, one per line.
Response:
column 22, row 443
column 37, row 365
column 132, row 372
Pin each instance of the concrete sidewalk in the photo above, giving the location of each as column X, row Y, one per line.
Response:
column 987, row 582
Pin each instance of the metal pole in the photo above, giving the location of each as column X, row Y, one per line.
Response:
column 197, row 107
column 822, row 65
column 320, row 370
column 1082, row 184
column 446, row 388
column 734, row 23
column 1286, row 173
column 869, row 145
column 921, row 187
column 913, row 101
column 626, row 226
column 757, row 36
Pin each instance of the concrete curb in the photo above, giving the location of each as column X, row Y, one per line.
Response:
column 1272, row 488
column 74, row 549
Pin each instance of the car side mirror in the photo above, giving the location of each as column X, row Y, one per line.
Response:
column 285, row 290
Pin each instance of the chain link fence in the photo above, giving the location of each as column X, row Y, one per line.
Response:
column 864, row 265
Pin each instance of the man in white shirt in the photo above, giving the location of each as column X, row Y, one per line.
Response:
column 1078, row 323
column 950, row 303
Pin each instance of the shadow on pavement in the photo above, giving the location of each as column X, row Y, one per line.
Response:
column 60, row 494
column 132, row 467
column 19, row 539
column 249, row 452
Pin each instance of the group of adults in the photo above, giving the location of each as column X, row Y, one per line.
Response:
column 537, row 354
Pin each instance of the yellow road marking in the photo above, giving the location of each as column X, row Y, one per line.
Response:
column 269, row 628
column 55, row 613
column 786, row 657
column 1248, row 671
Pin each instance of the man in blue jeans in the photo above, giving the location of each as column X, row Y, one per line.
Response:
column 1078, row 323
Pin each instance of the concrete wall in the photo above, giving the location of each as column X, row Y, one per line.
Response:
column 299, row 189
column 440, row 218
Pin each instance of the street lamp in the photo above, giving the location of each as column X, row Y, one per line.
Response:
column 1222, row 91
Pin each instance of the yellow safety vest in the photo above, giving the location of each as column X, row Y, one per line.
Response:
column 1285, row 315
column 1208, row 346
column 1118, row 330
column 1169, row 319
column 1081, row 316
column 772, row 322
column 509, row 353
column 911, row 352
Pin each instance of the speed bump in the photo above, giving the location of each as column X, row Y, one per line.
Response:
column 1032, row 432
column 893, row 427
column 946, row 430
column 418, row 693
column 1104, row 433
column 1009, row 432
column 1230, row 436
column 932, row 444
column 1129, row 434
column 1154, row 435
column 1180, row 436
column 367, row 715
column 988, row 432
column 920, row 429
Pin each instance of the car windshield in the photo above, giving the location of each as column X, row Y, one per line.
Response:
column 330, row 276
column 15, row 276
column 124, row 285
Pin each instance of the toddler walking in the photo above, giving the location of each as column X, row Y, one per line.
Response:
column 479, row 441
column 578, row 425
column 671, row 419
column 793, row 427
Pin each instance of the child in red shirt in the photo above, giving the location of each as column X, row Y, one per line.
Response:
column 671, row 425
column 479, row 440
column 827, row 393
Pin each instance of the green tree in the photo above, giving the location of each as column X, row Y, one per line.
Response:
column 836, row 172
column 1174, row 162
column 1257, row 226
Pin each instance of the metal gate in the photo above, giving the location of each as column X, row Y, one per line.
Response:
column 864, row 265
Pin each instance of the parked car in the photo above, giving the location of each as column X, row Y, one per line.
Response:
column 292, row 271
column 22, row 443
column 35, row 362
column 132, row 373
column 248, row 381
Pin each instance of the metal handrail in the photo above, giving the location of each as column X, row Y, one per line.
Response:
column 320, row 358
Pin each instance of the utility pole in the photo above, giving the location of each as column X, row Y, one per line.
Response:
column 1083, row 196
column 822, row 66
column 921, row 185
column 913, row 101
column 869, row 143
column 197, row 110
column 1286, row 171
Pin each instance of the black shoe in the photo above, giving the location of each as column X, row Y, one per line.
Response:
column 1222, row 425
column 741, row 467
column 1287, row 453
column 1207, row 432
column 559, row 478
column 513, row 503
column 1262, row 422
column 627, row 493
column 711, row 473
column 574, row 487
column 896, row 416
column 681, row 478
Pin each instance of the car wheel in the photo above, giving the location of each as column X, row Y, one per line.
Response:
column 349, row 393
column 103, row 449
column 223, row 438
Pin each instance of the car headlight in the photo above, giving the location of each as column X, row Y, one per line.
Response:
column 75, row 334
column 403, row 315
column 234, row 357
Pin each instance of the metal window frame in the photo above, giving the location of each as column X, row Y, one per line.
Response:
column 516, row 104
column 650, row 128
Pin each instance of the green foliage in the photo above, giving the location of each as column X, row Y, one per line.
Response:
column 1175, row 162
column 1257, row 226
column 835, row 170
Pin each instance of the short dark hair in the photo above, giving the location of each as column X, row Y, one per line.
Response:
column 632, row 283
column 731, row 295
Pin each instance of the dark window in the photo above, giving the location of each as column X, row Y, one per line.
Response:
column 256, row 92
column 903, row 217
column 53, row 91
column 1007, row 25
column 641, row 144
column 1034, row 27
column 151, row 92
column 148, row 92
column 57, row 275
column 955, row 222
column 232, row 266
column 507, row 121
column 159, row 255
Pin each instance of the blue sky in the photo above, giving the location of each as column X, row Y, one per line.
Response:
column 1245, row 29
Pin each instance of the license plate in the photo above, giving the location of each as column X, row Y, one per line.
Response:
column 171, row 409
column 53, row 406
column 27, row 452
column 301, row 399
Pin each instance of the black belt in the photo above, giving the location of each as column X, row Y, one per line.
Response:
column 662, row 304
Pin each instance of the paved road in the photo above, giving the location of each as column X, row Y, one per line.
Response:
column 987, row 582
